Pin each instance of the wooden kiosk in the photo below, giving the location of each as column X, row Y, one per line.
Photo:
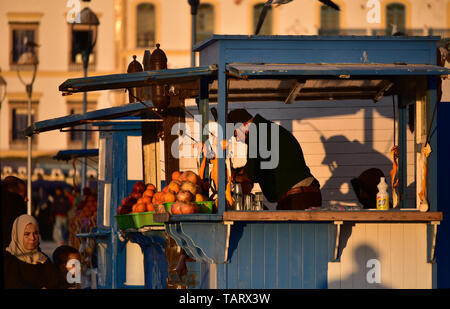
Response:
column 278, row 249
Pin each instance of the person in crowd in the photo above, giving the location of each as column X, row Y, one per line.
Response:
column 366, row 187
column 14, row 198
column 60, row 208
column 24, row 265
column 289, row 182
column 68, row 193
column 68, row 261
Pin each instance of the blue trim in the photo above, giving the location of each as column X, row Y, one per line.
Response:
column 403, row 150
column 67, row 155
column 280, row 38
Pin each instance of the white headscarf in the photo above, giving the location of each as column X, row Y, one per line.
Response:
column 16, row 246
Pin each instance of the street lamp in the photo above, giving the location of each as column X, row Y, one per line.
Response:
column 28, row 58
column 194, row 7
column 2, row 88
column 85, row 46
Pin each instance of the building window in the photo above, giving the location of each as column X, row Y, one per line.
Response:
column 395, row 15
column 21, row 33
column 75, row 137
column 81, row 36
column 329, row 21
column 145, row 27
column 266, row 28
column 19, row 122
column 205, row 21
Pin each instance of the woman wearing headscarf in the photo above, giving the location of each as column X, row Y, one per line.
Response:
column 25, row 266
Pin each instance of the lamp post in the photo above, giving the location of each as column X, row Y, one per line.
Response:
column 85, row 46
column 2, row 88
column 194, row 7
column 28, row 58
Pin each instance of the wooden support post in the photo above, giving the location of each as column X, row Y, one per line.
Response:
column 222, row 111
column 150, row 145
column 174, row 114
column 402, row 157
column 336, row 243
column 150, row 152
column 432, row 164
column 204, row 110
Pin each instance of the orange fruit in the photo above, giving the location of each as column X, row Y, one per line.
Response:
column 151, row 187
column 199, row 198
column 141, row 207
column 133, row 208
column 169, row 197
column 173, row 187
column 150, row 207
column 189, row 176
column 176, row 175
column 166, row 189
column 146, row 199
column 148, row 193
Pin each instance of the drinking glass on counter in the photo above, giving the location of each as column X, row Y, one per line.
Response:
column 258, row 203
column 248, row 202
column 238, row 197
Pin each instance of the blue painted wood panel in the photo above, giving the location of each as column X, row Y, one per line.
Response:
column 276, row 256
column 443, row 198
column 313, row 49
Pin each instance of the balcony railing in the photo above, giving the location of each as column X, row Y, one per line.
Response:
column 443, row 33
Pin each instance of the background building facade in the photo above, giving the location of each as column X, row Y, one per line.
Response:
column 335, row 137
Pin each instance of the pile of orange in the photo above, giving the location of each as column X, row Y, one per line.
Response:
column 144, row 198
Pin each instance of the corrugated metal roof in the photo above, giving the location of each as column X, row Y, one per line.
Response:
column 138, row 79
column 101, row 114
column 345, row 70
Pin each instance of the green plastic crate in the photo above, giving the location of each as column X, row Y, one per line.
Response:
column 144, row 218
column 206, row 207
column 168, row 205
column 125, row 221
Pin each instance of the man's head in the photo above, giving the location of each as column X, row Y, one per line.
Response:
column 365, row 187
column 16, row 185
column 239, row 116
column 62, row 255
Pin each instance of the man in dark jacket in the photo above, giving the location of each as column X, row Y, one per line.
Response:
column 275, row 161
column 14, row 198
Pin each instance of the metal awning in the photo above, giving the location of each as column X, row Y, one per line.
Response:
column 337, row 70
column 138, row 79
column 66, row 155
column 306, row 82
column 100, row 114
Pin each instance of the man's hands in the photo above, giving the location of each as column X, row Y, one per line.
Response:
column 239, row 176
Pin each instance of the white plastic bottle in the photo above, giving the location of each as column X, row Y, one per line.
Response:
column 382, row 196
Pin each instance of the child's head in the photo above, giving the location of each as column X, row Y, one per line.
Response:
column 62, row 255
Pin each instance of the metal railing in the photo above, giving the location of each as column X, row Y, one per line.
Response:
column 444, row 33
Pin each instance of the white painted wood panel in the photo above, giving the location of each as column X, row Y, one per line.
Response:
column 339, row 139
column 400, row 248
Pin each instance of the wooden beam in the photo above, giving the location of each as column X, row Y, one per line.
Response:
column 295, row 90
column 174, row 114
column 354, row 216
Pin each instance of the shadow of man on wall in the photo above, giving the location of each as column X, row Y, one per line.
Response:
column 346, row 160
column 366, row 273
